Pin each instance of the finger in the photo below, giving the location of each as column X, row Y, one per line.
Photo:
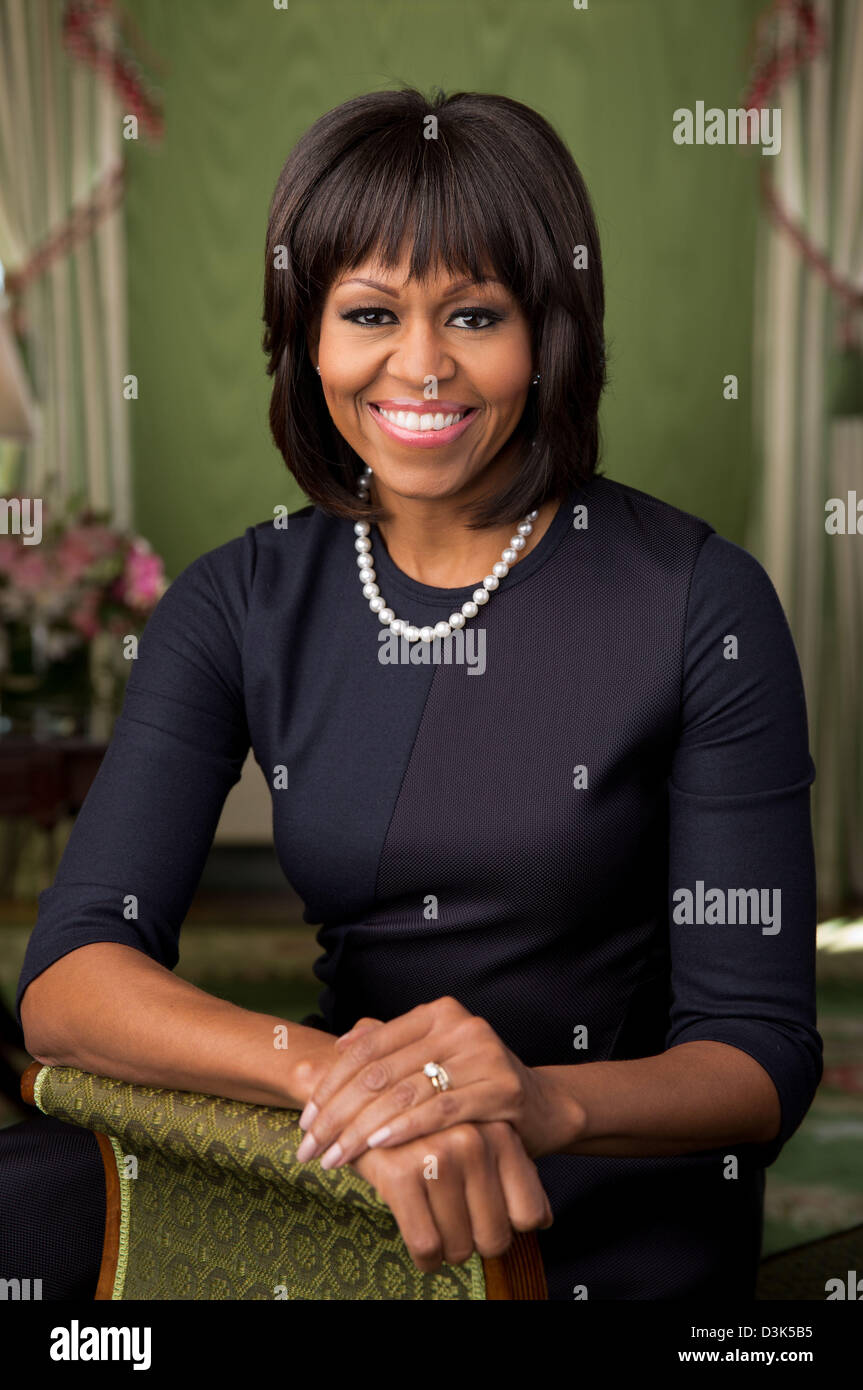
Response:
column 438, row 1009
column 447, row 1196
column 489, row 1217
column 526, row 1199
column 383, row 1090
column 466, row 1105
column 386, row 1082
column 367, row 1047
column 409, row 1203
column 361, row 1025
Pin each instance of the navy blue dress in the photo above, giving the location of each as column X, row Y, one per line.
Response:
column 522, row 829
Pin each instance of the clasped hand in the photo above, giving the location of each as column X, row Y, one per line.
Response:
column 375, row 1108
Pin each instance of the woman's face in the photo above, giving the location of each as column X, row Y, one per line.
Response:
column 430, row 353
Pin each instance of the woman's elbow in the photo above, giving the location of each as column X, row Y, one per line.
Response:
column 43, row 1022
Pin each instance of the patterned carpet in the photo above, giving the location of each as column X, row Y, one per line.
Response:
column 822, row 1268
column 816, row 1185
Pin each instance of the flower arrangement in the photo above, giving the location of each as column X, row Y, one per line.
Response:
column 85, row 581
column 84, row 577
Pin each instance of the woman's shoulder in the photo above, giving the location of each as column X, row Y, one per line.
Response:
column 732, row 593
column 206, row 605
column 644, row 542
column 640, row 521
column 231, row 569
column 642, row 515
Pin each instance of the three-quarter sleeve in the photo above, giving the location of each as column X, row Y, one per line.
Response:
column 742, row 902
column 140, row 841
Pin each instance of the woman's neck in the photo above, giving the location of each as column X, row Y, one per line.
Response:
column 430, row 542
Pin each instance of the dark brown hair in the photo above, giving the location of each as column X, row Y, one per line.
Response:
column 496, row 188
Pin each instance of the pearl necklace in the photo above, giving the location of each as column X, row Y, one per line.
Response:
column 469, row 608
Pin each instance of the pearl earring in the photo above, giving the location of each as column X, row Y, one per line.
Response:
column 318, row 370
column 534, row 381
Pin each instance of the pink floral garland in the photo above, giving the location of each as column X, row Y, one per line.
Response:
column 83, row 32
column 773, row 65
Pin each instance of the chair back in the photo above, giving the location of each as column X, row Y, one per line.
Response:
column 205, row 1200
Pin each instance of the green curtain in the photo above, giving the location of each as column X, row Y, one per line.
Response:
column 241, row 81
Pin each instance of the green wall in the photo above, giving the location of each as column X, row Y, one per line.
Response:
column 241, row 81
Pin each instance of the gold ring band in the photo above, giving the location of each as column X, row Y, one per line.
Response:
column 437, row 1075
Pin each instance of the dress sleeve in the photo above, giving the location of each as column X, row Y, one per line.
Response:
column 743, row 967
column 140, row 841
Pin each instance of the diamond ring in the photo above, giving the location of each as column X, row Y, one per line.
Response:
column 437, row 1076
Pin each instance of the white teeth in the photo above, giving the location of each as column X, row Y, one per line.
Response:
column 411, row 420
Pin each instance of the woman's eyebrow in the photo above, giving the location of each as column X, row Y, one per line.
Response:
column 450, row 293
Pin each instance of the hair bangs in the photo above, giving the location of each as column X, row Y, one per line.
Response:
column 431, row 200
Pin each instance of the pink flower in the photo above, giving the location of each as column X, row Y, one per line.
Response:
column 85, row 578
column 8, row 555
column 30, row 570
column 85, row 617
column 81, row 547
column 142, row 581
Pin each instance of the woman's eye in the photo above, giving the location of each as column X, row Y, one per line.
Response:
column 363, row 317
column 360, row 315
column 479, row 314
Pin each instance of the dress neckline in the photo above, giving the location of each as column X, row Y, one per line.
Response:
column 393, row 580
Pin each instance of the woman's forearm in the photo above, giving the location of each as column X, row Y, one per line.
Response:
column 698, row 1095
column 112, row 1010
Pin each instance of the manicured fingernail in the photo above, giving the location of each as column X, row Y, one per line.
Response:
column 332, row 1156
column 308, row 1116
column 308, row 1148
column 379, row 1136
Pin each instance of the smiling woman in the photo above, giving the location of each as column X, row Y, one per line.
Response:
column 537, row 1041
column 468, row 242
column 490, row 363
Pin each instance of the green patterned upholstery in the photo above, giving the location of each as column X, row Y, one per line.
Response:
column 221, row 1209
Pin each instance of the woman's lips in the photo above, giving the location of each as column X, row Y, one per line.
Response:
column 422, row 439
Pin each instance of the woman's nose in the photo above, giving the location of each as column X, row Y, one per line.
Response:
column 419, row 353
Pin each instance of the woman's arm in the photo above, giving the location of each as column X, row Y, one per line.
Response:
column 110, row 1009
column 700, row 1095
column 743, row 1055
column 96, row 990
column 696, row 1096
